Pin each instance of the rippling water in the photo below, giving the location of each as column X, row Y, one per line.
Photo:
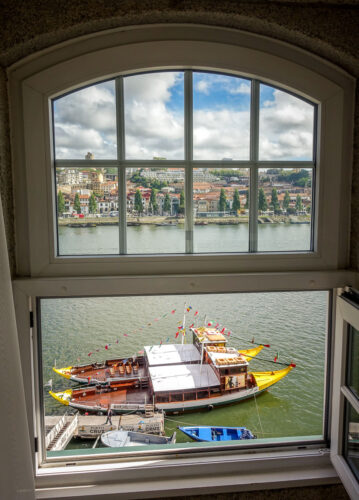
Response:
column 295, row 324
column 211, row 238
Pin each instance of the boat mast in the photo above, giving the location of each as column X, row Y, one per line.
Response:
column 184, row 323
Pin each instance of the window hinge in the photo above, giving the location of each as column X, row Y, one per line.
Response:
column 36, row 444
column 31, row 319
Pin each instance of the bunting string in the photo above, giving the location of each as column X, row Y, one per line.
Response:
column 181, row 332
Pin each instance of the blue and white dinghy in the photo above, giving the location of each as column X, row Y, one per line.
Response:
column 214, row 434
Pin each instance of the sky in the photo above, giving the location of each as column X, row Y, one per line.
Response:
column 85, row 120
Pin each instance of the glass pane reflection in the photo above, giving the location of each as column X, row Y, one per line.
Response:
column 284, row 209
column 286, row 126
column 155, row 210
column 87, row 211
column 85, row 123
column 353, row 361
column 154, row 116
column 221, row 117
column 220, row 204
column 351, row 439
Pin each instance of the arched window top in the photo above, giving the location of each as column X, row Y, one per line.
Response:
column 178, row 96
column 153, row 105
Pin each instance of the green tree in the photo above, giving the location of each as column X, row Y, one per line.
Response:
column 262, row 201
column 222, row 204
column 181, row 203
column 286, row 201
column 167, row 203
column 274, row 201
column 298, row 203
column 138, row 202
column 92, row 204
column 77, row 203
column 236, row 205
column 247, row 200
column 60, row 203
column 153, row 200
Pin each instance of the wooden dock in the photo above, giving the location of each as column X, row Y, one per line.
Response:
column 61, row 429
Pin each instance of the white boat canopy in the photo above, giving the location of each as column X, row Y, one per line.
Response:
column 182, row 377
column 171, row 354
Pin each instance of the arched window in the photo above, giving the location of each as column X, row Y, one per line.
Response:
column 165, row 163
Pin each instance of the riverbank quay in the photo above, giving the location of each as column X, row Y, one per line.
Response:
column 168, row 221
column 60, row 429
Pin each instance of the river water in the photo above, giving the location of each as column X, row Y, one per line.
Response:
column 295, row 324
column 210, row 238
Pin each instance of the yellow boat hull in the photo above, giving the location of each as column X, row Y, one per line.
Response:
column 266, row 379
column 250, row 353
column 64, row 372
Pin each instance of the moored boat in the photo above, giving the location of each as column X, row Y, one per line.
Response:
column 216, row 433
column 135, row 366
column 178, row 378
column 121, row 438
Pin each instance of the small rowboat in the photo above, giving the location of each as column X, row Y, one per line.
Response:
column 120, row 438
column 213, row 434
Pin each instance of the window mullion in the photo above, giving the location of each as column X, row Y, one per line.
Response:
column 188, row 131
column 121, row 155
column 254, row 148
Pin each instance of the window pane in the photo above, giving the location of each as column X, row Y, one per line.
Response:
column 85, row 123
column 155, row 210
column 351, row 439
column 284, row 209
column 154, row 112
column 80, row 333
column 87, row 208
column 221, row 117
column 353, row 361
column 220, row 204
column 286, row 125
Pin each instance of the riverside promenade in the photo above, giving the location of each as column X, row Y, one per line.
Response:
column 158, row 220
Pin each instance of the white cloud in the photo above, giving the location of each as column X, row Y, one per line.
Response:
column 286, row 128
column 85, row 121
column 153, row 127
column 243, row 88
column 221, row 134
column 203, row 86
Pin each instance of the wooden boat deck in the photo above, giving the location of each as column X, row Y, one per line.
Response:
column 103, row 398
column 102, row 374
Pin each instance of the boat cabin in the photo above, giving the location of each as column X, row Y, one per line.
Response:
column 175, row 383
column 205, row 336
column 230, row 366
column 171, row 354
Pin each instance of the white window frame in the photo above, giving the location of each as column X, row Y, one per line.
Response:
column 346, row 314
column 228, row 470
column 33, row 83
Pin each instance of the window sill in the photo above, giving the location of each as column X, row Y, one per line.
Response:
column 160, row 478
